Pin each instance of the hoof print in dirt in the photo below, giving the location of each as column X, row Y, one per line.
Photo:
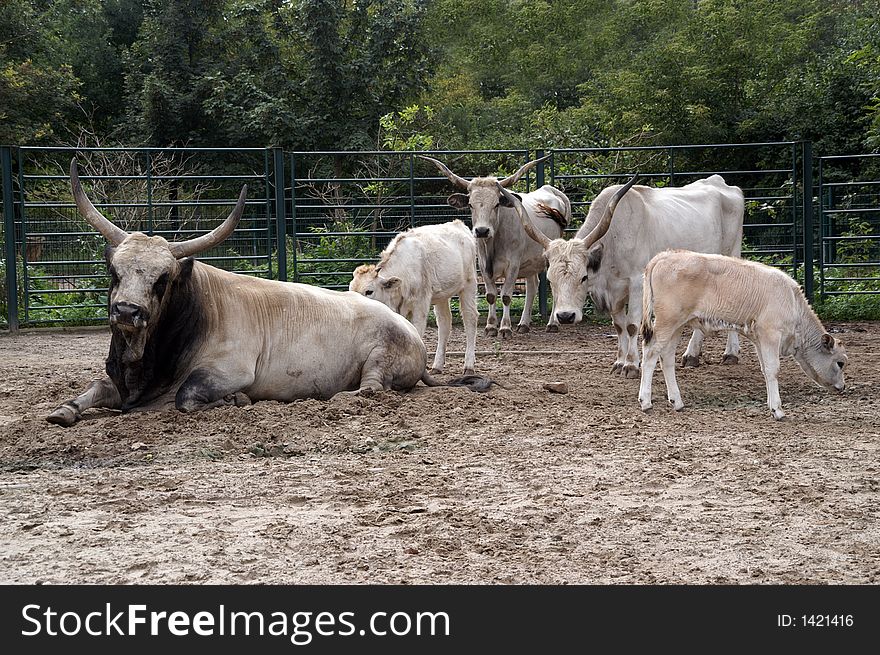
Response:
column 556, row 387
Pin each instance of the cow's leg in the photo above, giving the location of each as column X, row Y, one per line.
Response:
column 731, row 352
column 618, row 317
column 419, row 314
column 650, row 355
column 691, row 356
column 492, row 316
column 633, row 320
column 768, row 355
column 506, row 297
column 469, row 316
column 206, row 388
column 100, row 393
column 553, row 323
column 667, row 362
column 525, row 321
column 444, row 327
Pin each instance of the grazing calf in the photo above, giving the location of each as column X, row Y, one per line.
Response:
column 426, row 266
column 714, row 292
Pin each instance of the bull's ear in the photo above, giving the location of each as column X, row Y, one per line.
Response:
column 594, row 257
column 828, row 342
column 391, row 282
column 109, row 251
column 506, row 199
column 186, row 268
column 459, row 200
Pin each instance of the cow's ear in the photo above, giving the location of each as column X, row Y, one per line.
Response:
column 594, row 257
column 186, row 268
column 109, row 251
column 828, row 342
column 459, row 200
column 391, row 282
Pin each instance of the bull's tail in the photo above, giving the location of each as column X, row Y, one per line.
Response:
column 477, row 383
column 557, row 216
column 647, row 328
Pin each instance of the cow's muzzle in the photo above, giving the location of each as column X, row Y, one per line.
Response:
column 126, row 314
column 565, row 317
column 481, row 232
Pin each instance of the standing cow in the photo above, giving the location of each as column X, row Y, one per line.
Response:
column 197, row 337
column 426, row 266
column 713, row 292
column 606, row 259
column 503, row 248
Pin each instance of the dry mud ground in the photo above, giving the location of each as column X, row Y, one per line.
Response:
column 439, row 486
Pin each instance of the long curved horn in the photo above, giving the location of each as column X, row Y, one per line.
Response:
column 526, row 221
column 457, row 180
column 115, row 235
column 602, row 227
column 513, row 179
column 216, row 236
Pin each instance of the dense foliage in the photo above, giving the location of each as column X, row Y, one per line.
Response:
column 496, row 73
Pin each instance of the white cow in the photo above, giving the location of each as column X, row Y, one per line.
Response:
column 713, row 292
column 606, row 259
column 503, row 249
column 427, row 266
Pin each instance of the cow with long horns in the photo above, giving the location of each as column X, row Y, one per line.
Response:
column 606, row 258
column 186, row 334
column 503, row 248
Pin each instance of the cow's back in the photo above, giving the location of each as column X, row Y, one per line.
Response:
column 438, row 258
column 305, row 341
column 704, row 216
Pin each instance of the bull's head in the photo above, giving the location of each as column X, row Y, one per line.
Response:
column 368, row 281
column 572, row 265
column 483, row 196
column 143, row 268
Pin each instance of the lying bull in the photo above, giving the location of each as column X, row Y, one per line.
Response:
column 426, row 266
column 713, row 292
column 606, row 259
column 503, row 249
column 193, row 335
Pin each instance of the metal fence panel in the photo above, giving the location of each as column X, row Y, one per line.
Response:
column 849, row 220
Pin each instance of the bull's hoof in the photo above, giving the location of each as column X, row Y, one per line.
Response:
column 522, row 329
column 65, row 416
column 778, row 414
column 677, row 406
column 552, row 328
column 690, row 361
column 646, row 406
column 491, row 331
column 238, row 399
column 616, row 367
column 435, row 371
column 469, row 371
column 730, row 359
column 506, row 333
column 366, row 392
column 630, row 371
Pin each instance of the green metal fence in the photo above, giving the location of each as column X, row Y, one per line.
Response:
column 849, row 220
column 314, row 216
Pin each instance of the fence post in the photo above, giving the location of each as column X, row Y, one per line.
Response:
column 9, row 239
column 807, row 163
column 542, row 276
column 280, row 214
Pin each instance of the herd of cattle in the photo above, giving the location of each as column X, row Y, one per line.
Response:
column 197, row 337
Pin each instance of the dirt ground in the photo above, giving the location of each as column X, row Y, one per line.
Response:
column 518, row 485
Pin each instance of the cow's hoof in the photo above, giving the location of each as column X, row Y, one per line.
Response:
column 630, row 371
column 238, row 399
column 690, row 361
column 677, row 406
column 469, row 371
column 506, row 333
column 552, row 328
column 730, row 359
column 778, row 414
column 435, row 371
column 616, row 367
column 522, row 329
column 491, row 331
column 366, row 392
column 646, row 407
column 65, row 416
